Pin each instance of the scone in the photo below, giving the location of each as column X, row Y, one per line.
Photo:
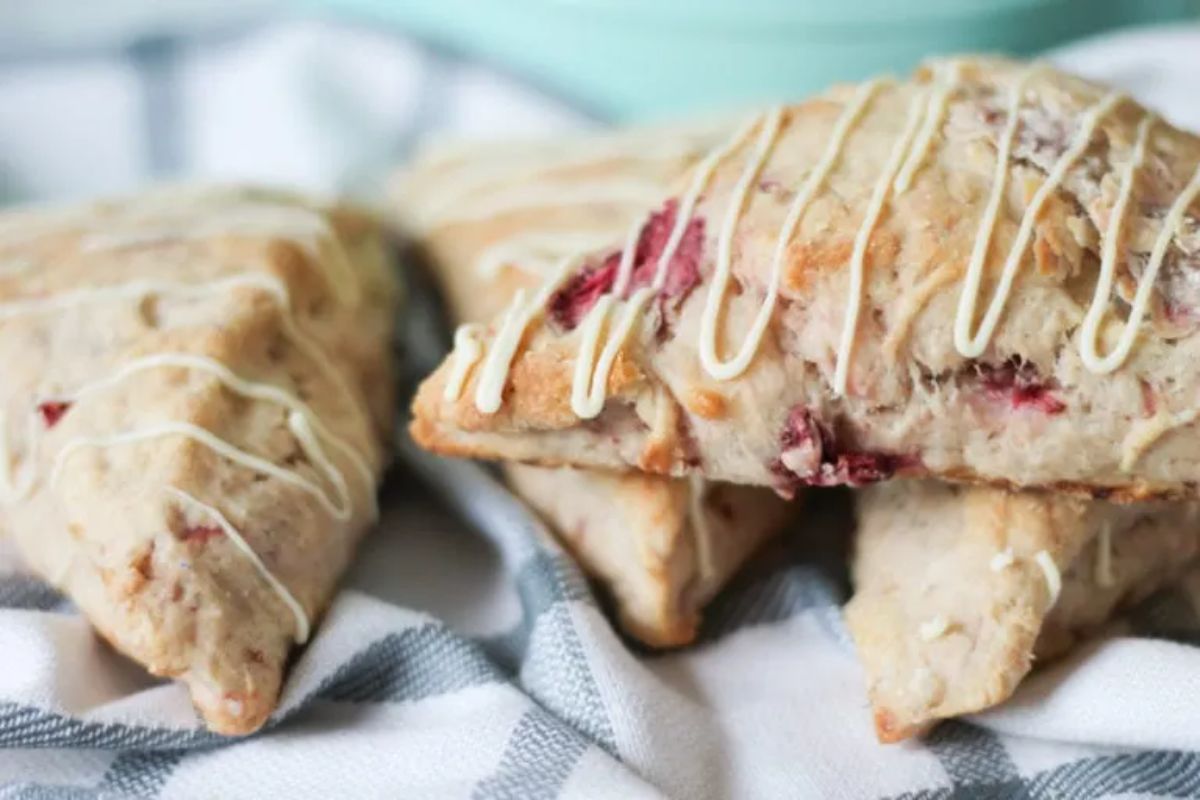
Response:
column 491, row 219
column 193, row 419
column 984, row 273
column 959, row 590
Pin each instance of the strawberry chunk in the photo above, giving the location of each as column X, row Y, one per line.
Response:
column 201, row 533
column 810, row 456
column 570, row 304
column 1020, row 385
column 52, row 412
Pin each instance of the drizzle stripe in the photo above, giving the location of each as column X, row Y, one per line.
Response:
column 973, row 345
column 589, row 383
column 863, row 238
column 520, row 251
column 1051, row 573
column 963, row 341
column 255, row 391
column 1141, row 300
column 720, row 280
column 489, row 392
column 142, row 288
column 525, row 198
column 467, row 351
column 209, row 440
column 947, row 82
column 302, row 623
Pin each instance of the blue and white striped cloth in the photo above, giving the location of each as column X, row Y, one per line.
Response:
column 457, row 663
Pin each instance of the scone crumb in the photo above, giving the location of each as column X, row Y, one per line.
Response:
column 234, row 706
column 707, row 404
column 934, row 628
column 1002, row 560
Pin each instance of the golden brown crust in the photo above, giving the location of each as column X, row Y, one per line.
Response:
column 707, row 404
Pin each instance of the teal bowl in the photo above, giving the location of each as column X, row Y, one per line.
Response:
column 627, row 59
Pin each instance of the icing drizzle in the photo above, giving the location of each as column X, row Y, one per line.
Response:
column 863, row 238
column 1141, row 300
column 973, row 345
column 303, row 625
column 614, row 315
column 1051, row 574
column 467, row 349
column 312, row 434
column 737, row 365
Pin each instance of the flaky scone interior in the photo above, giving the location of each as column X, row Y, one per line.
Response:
column 491, row 219
column 193, row 418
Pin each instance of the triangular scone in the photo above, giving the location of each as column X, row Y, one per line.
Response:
column 835, row 279
column 490, row 219
column 195, row 402
column 661, row 548
column 958, row 590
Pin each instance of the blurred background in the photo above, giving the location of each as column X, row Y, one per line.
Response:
column 99, row 97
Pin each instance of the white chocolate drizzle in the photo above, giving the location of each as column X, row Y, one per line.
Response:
column 311, row 433
column 614, row 316
column 487, row 186
column 302, row 226
column 966, row 344
column 536, row 253
column 1146, row 433
column 467, row 350
column 948, row 79
column 862, row 240
column 721, row 274
column 716, row 293
column 1108, row 267
column 306, row 426
column 336, row 507
column 303, row 626
column 1141, row 300
column 590, row 384
column 139, row 289
column 973, row 345
column 524, row 198
column 1051, row 573
column 493, row 375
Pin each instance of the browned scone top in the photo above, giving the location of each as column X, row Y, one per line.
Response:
column 491, row 219
column 957, row 590
column 931, row 386
column 194, row 413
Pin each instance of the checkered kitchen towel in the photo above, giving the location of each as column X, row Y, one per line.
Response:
column 469, row 660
